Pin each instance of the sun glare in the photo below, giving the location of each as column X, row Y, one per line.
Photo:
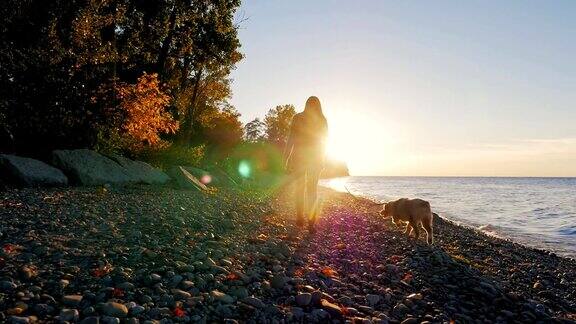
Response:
column 357, row 140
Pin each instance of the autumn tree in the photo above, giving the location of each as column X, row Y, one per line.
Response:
column 254, row 131
column 277, row 122
column 138, row 116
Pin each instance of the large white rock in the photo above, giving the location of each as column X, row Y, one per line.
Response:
column 30, row 172
column 141, row 171
column 86, row 167
column 185, row 179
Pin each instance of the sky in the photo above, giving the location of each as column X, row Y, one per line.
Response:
column 421, row 88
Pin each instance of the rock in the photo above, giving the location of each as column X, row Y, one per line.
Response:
column 137, row 310
column 185, row 180
column 114, row 309
column 345, row 300
column 202, row 175
column 279, row 281
column 221, row 297
column 30, row 172
column 410, row 320
column 90, row 320
column 297, row 312
column 334, row 310
column 319, row 315
column 72, row 300
column 400, row 309
column 417, row 296
column 69, row 315
column 303, row 299
column 372, row 299
column 538, row 285
column 86, row 167
column 110, row 320
column 239, row 292
column 142, row 172
column 7, row 285
column 180, row 294
column 21, row 319
column 253, row 301
column 128, row 286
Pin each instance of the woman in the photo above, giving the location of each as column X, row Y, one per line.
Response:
column 304, row 157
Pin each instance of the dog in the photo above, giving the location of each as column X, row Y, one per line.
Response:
column 415, row 212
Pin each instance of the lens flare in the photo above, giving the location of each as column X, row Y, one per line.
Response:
column 206, row 179
column 244, row 169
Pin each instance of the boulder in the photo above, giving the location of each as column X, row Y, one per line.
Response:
column 141, row 171
column 86, row 167
column 185, row 179
column 30, row 172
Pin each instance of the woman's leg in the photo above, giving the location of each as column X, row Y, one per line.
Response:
column 299, row 195
column 312, row 176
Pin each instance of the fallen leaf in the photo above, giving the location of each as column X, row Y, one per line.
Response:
column 329, row 272
column 179, row 312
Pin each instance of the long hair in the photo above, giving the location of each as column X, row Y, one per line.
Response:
column 313, row 113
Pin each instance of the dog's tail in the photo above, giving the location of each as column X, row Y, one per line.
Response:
column 358, row 199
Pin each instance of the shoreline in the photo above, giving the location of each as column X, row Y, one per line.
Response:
column 147, row 254
column 537, row 222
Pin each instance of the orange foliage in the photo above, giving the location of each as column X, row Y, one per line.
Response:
column 329, row 272
column 144, row 105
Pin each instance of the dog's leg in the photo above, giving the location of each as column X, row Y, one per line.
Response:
column 429, row 231
column 408, row 230
column 416, row 228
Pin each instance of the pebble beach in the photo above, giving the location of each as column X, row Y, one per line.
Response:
column 161, row 255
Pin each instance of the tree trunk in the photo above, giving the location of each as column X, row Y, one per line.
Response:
column 165, row 47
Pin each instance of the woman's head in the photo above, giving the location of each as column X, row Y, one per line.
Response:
column 313, row 106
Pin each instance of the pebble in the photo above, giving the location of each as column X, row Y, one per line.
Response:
column 400, row 309
column 72, row 300
column 303, row 299
column 253, row 301
column 279, row 281
column 538, row 285
column 114, row 309
column 334, row 310
column 137, row 310
column 69, row 315
column 373, row 299
column 7, row 286
column 21, row 319
column 221, row 297
column 91, row 320
column 180, row 294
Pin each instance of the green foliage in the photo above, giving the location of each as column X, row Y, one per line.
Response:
column 277, row 122
column 254, row 131
column 174, row 155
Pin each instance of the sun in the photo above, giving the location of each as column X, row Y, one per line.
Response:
column 358, row 140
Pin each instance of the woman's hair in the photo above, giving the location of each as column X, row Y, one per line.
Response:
column 313, row 110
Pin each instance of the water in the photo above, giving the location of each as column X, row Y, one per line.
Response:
column 538, row 212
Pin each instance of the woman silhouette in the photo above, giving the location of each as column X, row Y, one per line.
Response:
column 304, row 157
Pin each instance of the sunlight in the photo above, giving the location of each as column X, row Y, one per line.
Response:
column 337, row 183
column 360, row 141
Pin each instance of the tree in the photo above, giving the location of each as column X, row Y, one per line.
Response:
column 57, row 55
column 277, row 123
column 138, row 116
column 222, row 131
column 254, row 131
